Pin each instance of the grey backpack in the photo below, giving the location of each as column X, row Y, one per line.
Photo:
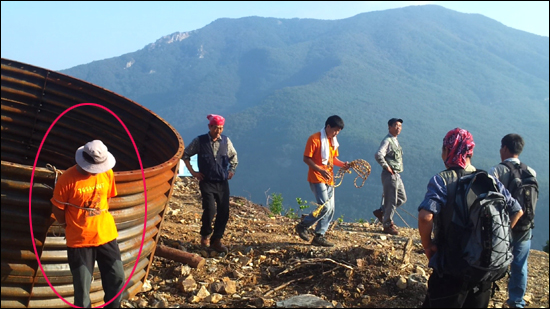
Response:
column 473, row 229
column 524, row 188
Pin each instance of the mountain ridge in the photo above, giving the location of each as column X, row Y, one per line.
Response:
column 277, row 80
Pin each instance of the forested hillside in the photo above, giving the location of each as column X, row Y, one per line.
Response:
column 277, row 80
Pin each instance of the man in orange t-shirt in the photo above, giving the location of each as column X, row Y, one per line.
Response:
column 321, row 154
column 80, row 203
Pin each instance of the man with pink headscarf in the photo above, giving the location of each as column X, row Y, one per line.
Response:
column 444, row 290
column 217, row 161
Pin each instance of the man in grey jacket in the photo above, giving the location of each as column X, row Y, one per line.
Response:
column 390, row 157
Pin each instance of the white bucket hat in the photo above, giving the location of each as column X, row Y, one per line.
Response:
column 94, row 157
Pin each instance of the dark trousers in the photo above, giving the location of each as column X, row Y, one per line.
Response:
column 214, row 193
column 81, row 263
column 451, row 292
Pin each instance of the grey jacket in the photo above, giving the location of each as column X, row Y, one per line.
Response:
column 390, row 154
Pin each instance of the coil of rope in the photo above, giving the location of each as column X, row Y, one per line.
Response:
column 360, row 166
column 56, row 172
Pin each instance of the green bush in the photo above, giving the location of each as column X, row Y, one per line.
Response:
column 276, row 203
column 302, row 204
column 290, row 213
column 545, row 249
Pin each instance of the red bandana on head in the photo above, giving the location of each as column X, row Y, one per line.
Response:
column 460, row 144
column 216, row 120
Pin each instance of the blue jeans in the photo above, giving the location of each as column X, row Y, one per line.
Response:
column 521, row 244
column 324, row 194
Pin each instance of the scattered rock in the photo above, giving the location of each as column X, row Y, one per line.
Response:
column 146, row 287
column 419, row 270
column 261, row 302
column 203, row 293
column 142, row 303
column 230, row 286
column 273, row 266
column 195, row 299
column 214, row 298
column 188, row 284
column 401, row 283
column 304, row 301
column 182, row 271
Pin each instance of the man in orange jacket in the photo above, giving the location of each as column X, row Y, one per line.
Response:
column 80, row 203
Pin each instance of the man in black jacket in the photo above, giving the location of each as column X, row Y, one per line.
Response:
column 217, row 161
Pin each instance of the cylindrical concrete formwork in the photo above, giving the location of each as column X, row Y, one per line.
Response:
column 32, row 98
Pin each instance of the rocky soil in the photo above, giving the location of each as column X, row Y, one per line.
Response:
column 268, row 265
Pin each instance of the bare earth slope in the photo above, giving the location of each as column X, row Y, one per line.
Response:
column 268, row 264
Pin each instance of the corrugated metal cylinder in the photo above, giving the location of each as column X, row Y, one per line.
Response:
column 32, row 98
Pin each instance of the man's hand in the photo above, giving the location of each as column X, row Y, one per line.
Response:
column 430, row 251
column 197, row 175
column 425, row 227
column 58, row 214
column 230, row 175
column 389, row 169
column 326, row 174
column 346, row 166
column 52, row 219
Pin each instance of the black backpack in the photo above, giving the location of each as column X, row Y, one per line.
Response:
column 473, row 229
column 525, row 189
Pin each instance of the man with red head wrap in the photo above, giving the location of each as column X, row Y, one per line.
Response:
column 217, row 160
column 459, row 144
column 215, row 120
column 445, row 290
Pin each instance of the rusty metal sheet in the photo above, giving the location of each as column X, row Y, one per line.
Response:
column 32, row 98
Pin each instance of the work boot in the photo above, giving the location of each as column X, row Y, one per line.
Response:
column 379, row 215
column 302, row 232
column 391, row 229
column 205, row 242
column 216, row 244
column 320, row 240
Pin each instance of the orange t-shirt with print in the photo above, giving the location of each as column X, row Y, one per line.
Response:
column 90, row 191
column 313, row 150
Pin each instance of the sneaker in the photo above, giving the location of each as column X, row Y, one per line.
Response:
column 510, row 304
column 217, row 245
column 320, row 240
column 391, row 229
column 205, row 242
column 379, row 215
column 302, row 232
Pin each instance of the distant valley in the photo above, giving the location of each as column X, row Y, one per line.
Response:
column 277, row 80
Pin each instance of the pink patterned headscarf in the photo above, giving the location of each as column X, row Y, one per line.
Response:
column 216, row 120
column 460, row 144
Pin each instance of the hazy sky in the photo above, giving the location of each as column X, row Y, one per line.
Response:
column 59, row 35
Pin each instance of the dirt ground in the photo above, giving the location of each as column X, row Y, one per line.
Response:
column 268, row 263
